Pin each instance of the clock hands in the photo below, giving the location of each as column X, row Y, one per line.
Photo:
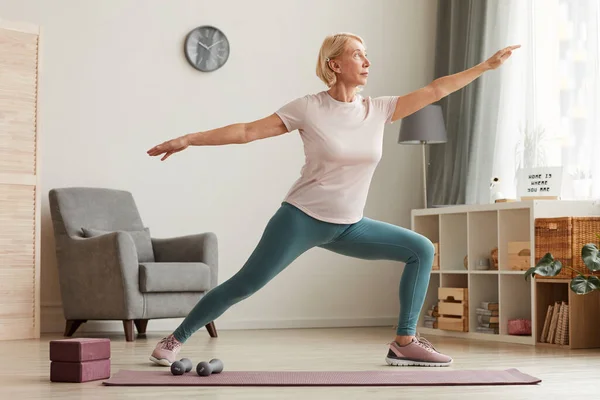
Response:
column 214, row 44
column 209, row 47
column 209, row 50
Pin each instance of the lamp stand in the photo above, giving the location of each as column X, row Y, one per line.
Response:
column 423, row 143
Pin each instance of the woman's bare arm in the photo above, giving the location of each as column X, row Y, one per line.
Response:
column 239, row 133
column 446, row 85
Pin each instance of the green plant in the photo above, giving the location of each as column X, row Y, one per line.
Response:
column 581, row 284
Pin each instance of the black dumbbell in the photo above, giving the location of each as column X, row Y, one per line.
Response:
column 181, row 367
column 214, row 366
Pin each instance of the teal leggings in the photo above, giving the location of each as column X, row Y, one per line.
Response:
column 291, row 232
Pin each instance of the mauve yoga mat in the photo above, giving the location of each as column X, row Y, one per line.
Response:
column 432, row 377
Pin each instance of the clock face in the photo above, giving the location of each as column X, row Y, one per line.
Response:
column 206, row 48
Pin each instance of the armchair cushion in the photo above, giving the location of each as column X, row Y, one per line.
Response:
column 202, row 247
column 141, row 239
column 174, row 277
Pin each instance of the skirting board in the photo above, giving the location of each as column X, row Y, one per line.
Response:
column 52, row 321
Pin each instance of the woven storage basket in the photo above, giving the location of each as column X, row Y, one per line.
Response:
column 585, row 230
column 554, row 235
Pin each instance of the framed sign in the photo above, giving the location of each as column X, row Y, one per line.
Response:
column 540, row 182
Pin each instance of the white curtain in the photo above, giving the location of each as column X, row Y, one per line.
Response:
column 542, row 108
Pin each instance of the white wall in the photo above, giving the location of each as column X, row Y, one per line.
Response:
column 114, row 82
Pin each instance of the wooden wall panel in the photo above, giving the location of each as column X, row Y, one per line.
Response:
column 19, row 182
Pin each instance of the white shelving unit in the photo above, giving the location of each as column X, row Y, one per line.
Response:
column 474, row 230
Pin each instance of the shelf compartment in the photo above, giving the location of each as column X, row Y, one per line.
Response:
column 482, row 288
column 514, row 225
column 548, row 293
column 428, row 226
column 483, row 238
column 515, row 299
column 453, row 241
column 584, row 331
column 519, row 256
column 454, row 280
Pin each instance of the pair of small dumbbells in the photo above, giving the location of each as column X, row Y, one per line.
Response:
column 203, row 368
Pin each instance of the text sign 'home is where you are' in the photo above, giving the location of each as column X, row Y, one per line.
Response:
column 540, row 182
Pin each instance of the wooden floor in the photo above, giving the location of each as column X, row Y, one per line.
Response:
column 24, row 372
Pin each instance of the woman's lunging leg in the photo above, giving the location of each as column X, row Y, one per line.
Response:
column 375, row 240
column 281, row 243
column 288, row 234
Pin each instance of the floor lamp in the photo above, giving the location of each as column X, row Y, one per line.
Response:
column 423, row 127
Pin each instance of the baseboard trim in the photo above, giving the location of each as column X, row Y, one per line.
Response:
column 53, row 321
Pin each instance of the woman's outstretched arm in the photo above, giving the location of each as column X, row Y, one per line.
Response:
column 239, row 133
column 445, row 85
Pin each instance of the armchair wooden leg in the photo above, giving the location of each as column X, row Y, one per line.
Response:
column 212, row 330
column 141, row 325
column 72, row 325
column 129, row 334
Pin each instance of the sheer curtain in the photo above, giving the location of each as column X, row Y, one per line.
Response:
column 542, row 108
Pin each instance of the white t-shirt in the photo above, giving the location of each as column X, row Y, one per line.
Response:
column 343, row 143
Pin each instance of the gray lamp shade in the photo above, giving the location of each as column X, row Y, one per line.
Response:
column 424, row 126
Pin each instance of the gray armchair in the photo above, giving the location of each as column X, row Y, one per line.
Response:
column 110, row 268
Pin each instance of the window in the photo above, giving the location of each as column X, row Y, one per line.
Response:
column 549, row 113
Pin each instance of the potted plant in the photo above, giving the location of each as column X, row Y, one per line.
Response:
column 581, row 284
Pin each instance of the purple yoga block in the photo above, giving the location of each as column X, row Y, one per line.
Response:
column 78, row 372
column 80, row 349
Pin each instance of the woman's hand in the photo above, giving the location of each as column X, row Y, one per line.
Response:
column 501, row 55
column 170, row 147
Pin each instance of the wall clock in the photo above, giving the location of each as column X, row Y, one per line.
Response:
column 206, row 48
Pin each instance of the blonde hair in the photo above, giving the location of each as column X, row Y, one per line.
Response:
column 333, row 46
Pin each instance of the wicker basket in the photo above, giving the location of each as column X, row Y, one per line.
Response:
column 585, row 230
column 554, row 235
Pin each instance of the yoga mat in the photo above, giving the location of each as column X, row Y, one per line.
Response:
column 433, row 377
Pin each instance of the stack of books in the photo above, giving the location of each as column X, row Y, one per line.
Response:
column 431, row 317
column 488, row 318
column 556, row 324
